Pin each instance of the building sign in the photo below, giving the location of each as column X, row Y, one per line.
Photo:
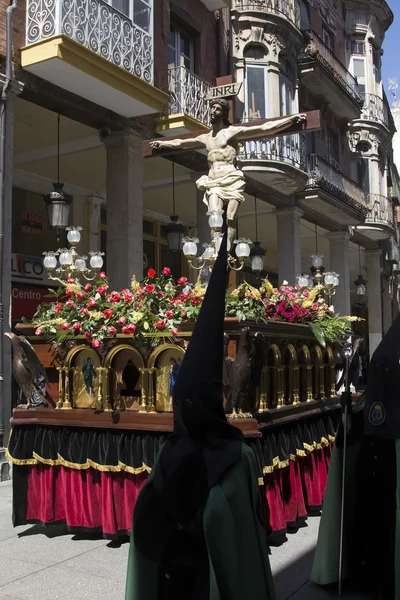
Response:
column 30, row 223
column 224, row 91
column 25, row 300
column 29, row 269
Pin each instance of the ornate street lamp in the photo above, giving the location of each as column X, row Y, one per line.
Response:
column 257, row 253
column 58, row 202
column 175, row 229
column 360, row 282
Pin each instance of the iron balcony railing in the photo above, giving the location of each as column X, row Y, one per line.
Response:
column 317, row 50
column 187, row 93
column 375, row 109
column 381, row 211
column 97, row 26
column 325, row 173
column 289, row 149
column 290, row 9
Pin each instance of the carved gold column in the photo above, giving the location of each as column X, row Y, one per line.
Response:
column 107, row 405
column 144, row 390
column 67, row 403
column 263, row 406
column 60, row 388
column 100, row 396
column 333, row 380
column 309, row 383
column 279, row 387
column 296, row 385
column 151, row 403
column 321, row 381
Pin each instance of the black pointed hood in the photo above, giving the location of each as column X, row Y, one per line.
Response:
column 203, row 445
column 198, row 392
column 382, row 407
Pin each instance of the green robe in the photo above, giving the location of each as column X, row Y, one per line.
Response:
column 326, row 562
column 236, row 542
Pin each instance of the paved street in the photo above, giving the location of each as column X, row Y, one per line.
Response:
column 50, row 564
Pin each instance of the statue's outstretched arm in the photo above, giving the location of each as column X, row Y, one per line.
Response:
column 270, row 128
column 177, row 143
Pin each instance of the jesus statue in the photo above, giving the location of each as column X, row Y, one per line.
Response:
column 224, row 185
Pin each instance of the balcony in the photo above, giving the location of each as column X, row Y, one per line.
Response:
column 324, row 75
column 279, row 162
column 287, row 9
column 186, row 109
column 380, row 221
column 332, row 195
column 216, row 4
column 375, row 109
column 94, row 51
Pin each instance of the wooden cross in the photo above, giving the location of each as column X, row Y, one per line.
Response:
column 313, row 123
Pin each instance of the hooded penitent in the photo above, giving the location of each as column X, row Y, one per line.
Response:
column 203, row 445
column 382, row 407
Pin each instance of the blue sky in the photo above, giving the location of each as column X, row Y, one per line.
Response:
column 391, row 46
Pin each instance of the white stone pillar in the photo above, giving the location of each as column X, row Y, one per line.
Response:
column 289, row 244
column 387, row 305
column 124, row 208
column 339, row 263
column 92, row 222
column 374, row 292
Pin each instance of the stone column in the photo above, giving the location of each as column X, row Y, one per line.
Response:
column 339, row 263
column 374, row 291
column 124, row 208
column 387, row 305
column 289, row 244
column 92, row 222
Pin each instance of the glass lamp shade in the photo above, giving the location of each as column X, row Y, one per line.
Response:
column 50, row 260
column 208, row 252
column 65, row 257
column 360, row 284
column 190, row 247
column 175, row 233
column 302, row 280
column 317, row 260
column 74, row 235
column 80, row 263
column 335, row 279
column 310, row 281
column 215, row 219
column 242, row 248
column 257, row 255
column 329, row 278
column 58, row 205
column 96, row 261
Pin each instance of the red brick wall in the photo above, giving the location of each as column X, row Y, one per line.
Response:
column 18, row 28
column 201, row 23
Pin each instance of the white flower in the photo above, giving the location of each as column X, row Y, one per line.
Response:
column 285, row 282
column 331, row 309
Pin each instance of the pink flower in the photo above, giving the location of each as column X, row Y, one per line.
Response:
column 87, row 287
column 102, row 275
column 166, row 271
column 306, row 293
column 131, row 328
column 84, row 311
column 96, row 344
column 127, row 296
column 121, row 321
column 315, row 306
column 174, row 331
column 161, row 294
column 58, row 308
column 182, row 280
column 111, row 330
column 183, row 314
column 161, row 325
column 196, row 301
column 76, row 326
column 169, row 314
column 151, row 273
column 91, row 302
column 70, row 303
column 39, row 331
column 115, row 297
column 65, row 326
column 68, row 292
column 149, row 289
column 293, row 296
column 70, row 280
column 80, row 295
column 108, row 313
column 102, row 289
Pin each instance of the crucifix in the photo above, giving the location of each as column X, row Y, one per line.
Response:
column 225, row 183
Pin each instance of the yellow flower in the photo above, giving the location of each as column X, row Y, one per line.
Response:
column 136, row 316
column 307, row 304
column 135, row 285
column 267, row 286
column 351, row 319
column 95, row 314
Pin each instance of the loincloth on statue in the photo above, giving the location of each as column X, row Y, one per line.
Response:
column 229, row 187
